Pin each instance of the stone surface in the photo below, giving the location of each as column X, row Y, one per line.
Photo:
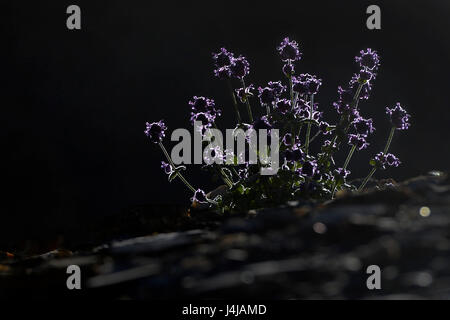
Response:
column 292, row 252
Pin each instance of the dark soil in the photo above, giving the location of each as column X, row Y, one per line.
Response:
column 296, row 251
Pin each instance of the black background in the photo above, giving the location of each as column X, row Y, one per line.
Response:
column 75, row 102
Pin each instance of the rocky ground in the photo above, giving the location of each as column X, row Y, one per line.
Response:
column 297, row 251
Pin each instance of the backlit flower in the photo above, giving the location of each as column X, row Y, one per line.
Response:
column 289, row 50
column 382, row 160
column 168, row 169
column 363, row 126
column 358, row 140
column 199, row 196
column 155, row 131
column 399, row 117
column 239, row 67
column 244, row 94
column 368, row 59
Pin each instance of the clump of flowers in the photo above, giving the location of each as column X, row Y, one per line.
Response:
column 308, row 144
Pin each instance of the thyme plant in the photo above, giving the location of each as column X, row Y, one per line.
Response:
column 308, row 144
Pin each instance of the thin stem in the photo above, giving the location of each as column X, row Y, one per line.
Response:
column 386, row 148
column 223, row 174
column 291, row 88
column 300, row 130
column 295, row 101
column 179, row 175
column 347, row 161
column 314, row 137
column 249, row 109
column 308, row 130
column 355, row 103
column 350, row 154
column 388, row 143
column 233, row 97
column 367, row 178
column 268, row 109
column 225, row 178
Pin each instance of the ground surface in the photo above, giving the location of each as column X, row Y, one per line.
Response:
column 295, row 251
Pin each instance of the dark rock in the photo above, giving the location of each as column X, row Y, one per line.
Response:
column 290, row 252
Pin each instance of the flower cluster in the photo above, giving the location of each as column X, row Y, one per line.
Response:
column 289, row 50
column 308, row 171
column 227, row 66
column 155, row 131
column 383, row 160
column 399, row 117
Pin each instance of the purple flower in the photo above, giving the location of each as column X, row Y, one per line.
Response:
column 289, row 50
column 206, row 120
column 222, row 73
column 302, row 105
column 345, row 100
column 382, row 160
column 243, row 95
column 365, row 89
column 341, row 173
column 358, row 140
column 363, row 126
column 306, row 84
column 213, row 154
column 204, row 117
column 168, row 169
column 202, row 104
column 392, row 160
column 366, row 75
column 288, row 70
column 155, row 131
column 262, row 123
column 223, row 58
column 309, row 168
column 266, row 95
column 277, row 87
column 199, row 196
column 304, row 114
column 294, row 154
column 283, row 106
column 368, row 59
column 222, row 61
column 399, row 117
column 240, row 67
column 269, row 94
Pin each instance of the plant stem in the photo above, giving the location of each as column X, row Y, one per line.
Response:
column 223, row 174
column 350, row 154
column 233, row 97
column 314, row 137
column 173, row 165
column 225, row 178
column 308, row 130
column 347, row 161
column 249, row 109
column 367, row 178
column 386, row 148
column 355, row 103
column 388, row 143
column 295, row 101
column 291, row 89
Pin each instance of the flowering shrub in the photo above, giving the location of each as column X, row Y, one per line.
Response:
column 308, row 170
